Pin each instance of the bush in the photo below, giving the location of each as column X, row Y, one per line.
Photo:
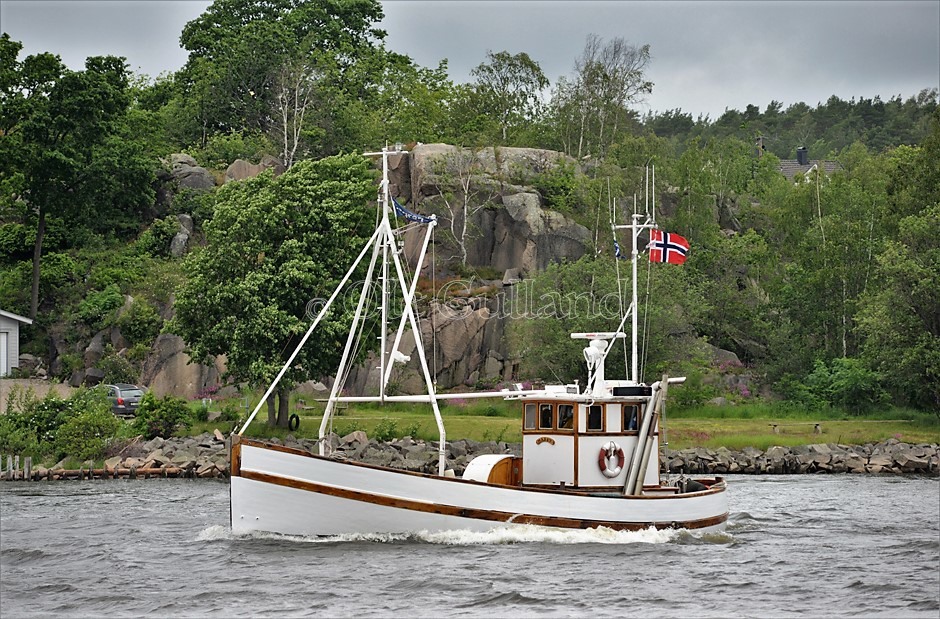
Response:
column 97, row 306
column 39, row 427
column 117, row 369
column 848, row 384
column 156, row 239
column 86, row 436
column 223, row 148
column 385, row 430
column 141, row 323
column 559, row 187
column 161, row 417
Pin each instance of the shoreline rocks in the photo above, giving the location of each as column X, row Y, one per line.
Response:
column 207, row 456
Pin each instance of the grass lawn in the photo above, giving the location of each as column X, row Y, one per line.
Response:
column 731, row 427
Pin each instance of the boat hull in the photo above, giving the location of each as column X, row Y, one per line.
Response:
column 281, row 490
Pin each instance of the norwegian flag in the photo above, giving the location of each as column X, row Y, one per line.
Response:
column 666, row 247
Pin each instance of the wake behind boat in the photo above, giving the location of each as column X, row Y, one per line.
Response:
column 590, row 456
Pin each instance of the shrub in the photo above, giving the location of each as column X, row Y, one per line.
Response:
column 97, row 306
column 223, row 148
column 848, row 384
column 156, row 239
column 230, row 412
column 559, row 187
column 385, row 430
column 161, row 417
column 141, row 323
column 117, row 369
column 86, row 436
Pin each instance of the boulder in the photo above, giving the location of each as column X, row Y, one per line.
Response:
column 188, row 173
column 95, row 349
column 186, row 222
column 93, row 376
column 241, row 169
column 179, row 244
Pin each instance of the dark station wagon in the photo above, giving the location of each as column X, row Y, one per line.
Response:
column 124, row 399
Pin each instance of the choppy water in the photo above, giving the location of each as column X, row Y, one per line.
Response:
column 796, row 546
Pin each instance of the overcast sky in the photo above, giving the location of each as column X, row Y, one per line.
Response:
column 706, row 56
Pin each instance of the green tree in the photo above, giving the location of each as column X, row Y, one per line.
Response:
column 591, row 109
column 509, row 88
column 56, row 124
column 900, row 320
column 238, row 50
column 274, row 246
column 584, row 296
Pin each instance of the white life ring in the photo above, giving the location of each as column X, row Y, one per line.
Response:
column 608, row 451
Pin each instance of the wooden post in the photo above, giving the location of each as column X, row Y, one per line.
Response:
column 28, row 468
column 9, row 472
column 16, row 467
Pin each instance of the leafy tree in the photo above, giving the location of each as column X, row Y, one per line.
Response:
column 509, row 88
column 583, row 296
column 273, row 246
column 239, row 48
column 900, row 321
column 56, row 127
column 592, row 108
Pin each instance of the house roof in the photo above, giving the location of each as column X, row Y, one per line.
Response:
column 16, row 317
column 791, row 167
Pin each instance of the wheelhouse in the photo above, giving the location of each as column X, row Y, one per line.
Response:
column 564, row 437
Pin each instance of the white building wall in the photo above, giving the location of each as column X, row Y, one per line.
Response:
column 12, row 351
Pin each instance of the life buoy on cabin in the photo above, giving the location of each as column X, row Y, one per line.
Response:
column 608, row 451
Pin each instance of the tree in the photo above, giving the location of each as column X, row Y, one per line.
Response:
column 593, row 107
column 238, row 49
column 53, row 123
column 459, row 185
column 584, row 296
column 900, row 322
column 509, row 87
column 273, row 246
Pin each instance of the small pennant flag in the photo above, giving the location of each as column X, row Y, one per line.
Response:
column 667, row 247
column 618, row 254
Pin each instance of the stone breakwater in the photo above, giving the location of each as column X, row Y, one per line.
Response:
column 207, row 456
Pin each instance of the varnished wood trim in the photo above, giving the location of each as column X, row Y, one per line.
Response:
column 236, row 456
column 478, row 514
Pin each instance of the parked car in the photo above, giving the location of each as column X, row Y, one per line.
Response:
column 124, row 399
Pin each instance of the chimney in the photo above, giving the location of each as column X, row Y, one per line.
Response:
column 802, row 157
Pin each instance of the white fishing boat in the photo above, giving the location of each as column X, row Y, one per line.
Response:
column 590, row 455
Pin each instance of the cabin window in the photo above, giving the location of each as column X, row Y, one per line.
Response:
column 529, row 422
column 546, row 415
column 595, row 418
column 631, row 418
column 565, row 417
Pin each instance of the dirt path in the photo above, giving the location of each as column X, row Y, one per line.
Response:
column 40, row 387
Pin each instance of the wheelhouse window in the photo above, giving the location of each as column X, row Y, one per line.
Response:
column 529, row 418
column 546, row 416
column 565, row 417
column 631, row 418
column 595, row 418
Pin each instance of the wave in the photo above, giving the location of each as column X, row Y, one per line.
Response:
column 502, row 535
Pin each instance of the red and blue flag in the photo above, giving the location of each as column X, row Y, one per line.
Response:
column 667, row 247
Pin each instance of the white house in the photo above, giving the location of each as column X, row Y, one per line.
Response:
column 10, row 340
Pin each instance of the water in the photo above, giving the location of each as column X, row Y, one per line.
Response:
column 796, row 546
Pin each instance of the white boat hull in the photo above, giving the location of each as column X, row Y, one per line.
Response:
column 280, row 490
